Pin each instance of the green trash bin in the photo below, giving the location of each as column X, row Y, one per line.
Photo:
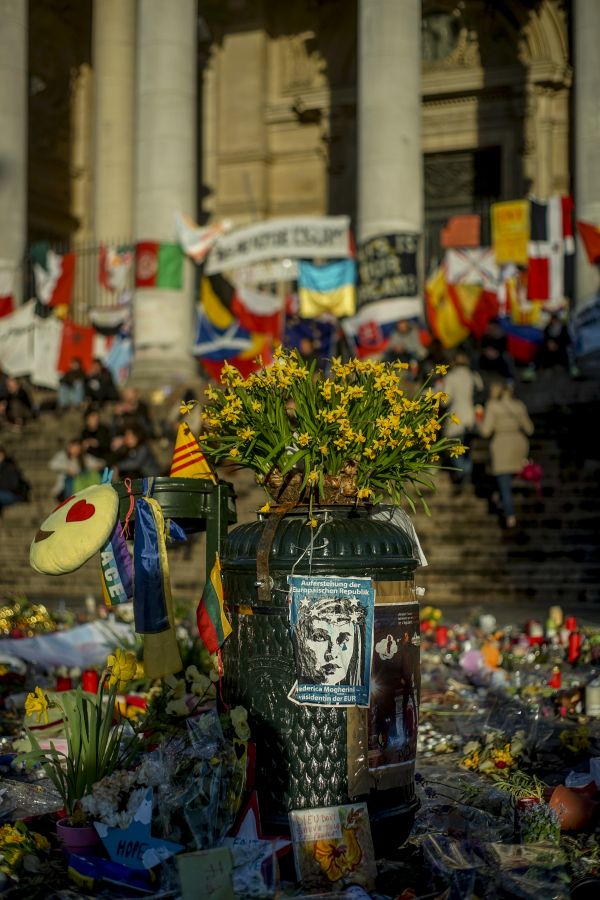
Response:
column 313, row 756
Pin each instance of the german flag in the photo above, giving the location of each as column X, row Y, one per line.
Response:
column 188, row 459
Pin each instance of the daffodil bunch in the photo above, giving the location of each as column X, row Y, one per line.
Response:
column 362, row 433
column 19, row 849
column 96, row 746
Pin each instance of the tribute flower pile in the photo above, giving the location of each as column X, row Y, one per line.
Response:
column 362, row 433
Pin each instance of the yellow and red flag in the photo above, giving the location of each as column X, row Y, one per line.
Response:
column 188, row 459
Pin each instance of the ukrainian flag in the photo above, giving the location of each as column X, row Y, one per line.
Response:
column 328, row 288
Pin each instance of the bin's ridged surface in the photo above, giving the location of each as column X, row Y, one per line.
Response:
column 301, row 750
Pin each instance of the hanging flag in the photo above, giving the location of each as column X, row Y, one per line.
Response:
column 158, row 266
column 513, row 301
column 258, row 311
column 590, row 235
column 522, row 341
column 472, row 266
column 510, row 231
column 319, row 334
column 116, row 569
column 7, row 280
column 119, row 358
column 219, row 335
column 114, row 266
column 188, row 459
column 258, row 357
column 551, row 272
column 461, row 231
column 54, row 275
column 110, row 320
column 329, row 288
column 47, row 340
column 197, row 240
column 77, row 343
column 16, row 340
column 152, row 599
column 213, row 624
column 442, row 314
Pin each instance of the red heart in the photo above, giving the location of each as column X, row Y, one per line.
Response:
column 81, row 511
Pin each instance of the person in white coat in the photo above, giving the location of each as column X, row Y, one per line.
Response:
column 506, row 421
column 461, row 384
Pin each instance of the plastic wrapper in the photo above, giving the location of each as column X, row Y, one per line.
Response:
column 203, row 784
column 21, row 799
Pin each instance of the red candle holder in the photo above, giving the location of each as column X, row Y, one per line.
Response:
column 574, row 647
column 571, row 623
column 441, row 635
column 63, row 683
column 90, row 679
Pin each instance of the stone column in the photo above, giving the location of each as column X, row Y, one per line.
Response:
column 587, row 134
column 13, row 143
column 165, row 180
column 114, row 112
column 390, row 179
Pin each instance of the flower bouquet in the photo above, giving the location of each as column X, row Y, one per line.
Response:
column 359, row 435
column 494, row 755
column 94, row 747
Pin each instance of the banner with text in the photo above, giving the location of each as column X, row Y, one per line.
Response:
column 387, row 277
column 322, row 237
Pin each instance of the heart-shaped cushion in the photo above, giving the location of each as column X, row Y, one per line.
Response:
column 75, row 530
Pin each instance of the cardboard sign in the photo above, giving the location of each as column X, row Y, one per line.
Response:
column 134, row 846
column 206, row 873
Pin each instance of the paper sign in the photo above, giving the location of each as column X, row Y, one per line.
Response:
column 206, row 873
column 331, row 622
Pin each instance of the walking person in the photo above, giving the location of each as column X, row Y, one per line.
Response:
column 506, row 421
column 462, row 385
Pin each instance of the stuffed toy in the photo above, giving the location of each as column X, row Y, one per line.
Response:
column 77, row 529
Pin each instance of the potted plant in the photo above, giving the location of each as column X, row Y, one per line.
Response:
column 363, row 433
column 95, row 746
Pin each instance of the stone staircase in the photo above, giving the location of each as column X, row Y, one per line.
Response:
column 550, row 558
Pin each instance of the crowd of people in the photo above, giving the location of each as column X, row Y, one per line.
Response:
column 117, row 427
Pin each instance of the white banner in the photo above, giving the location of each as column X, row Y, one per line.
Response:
column 306, row 237
column 84, row 646
column 16, row 341
column 47, row 337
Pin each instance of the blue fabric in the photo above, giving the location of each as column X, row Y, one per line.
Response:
column 506, row 495
column 333, row 275
column 149, row 602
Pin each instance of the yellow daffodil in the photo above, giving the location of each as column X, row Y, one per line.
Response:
column 457, row 450
column 246, row 434
column 363, row 493
column 256, row 406
column 441, row 370
column 313, row 522
column 454, row 418
column 121, row 668
column 313, row 477
column 37, row 704
column 266, row 508
column 304, row 439
column 234, row 453
column 186, row 407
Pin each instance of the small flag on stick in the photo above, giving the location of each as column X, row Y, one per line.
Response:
column 188, row 459
column 213, row 624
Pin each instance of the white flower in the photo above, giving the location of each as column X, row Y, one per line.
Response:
column 239, row 720
column 177, row 708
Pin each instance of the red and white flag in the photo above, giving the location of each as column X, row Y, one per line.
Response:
column 551, row 251
column 54, row 277
column 259, row 311
column 476, row 265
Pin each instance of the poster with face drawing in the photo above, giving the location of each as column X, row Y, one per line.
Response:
column 331, row 623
